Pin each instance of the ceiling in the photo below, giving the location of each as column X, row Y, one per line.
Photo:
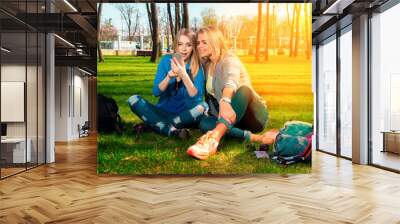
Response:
column 331, row 15
column 74, row 21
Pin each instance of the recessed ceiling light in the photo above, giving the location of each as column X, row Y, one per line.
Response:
column 64, row 40
column 86, row 72
column 5, row 50
column 71, row 6
column 337, row 7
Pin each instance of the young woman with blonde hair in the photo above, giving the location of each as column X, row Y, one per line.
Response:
column 235, row 108
column 179, row 84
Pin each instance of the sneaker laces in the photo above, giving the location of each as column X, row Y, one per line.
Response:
column 207, row 138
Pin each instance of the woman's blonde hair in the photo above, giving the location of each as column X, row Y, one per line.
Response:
column 194, row 58
column 216, row 41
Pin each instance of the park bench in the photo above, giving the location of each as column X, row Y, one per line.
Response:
column 143, row 53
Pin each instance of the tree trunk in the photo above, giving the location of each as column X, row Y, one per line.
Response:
column 306, row 23
column 185, row 16
column 136, row 25
column 168, row 41
column 171, row 23
column 129, row 24
column 155, row 40
column 288, row 14
column 101, row 59
column 177, row 18
column 266, row 32
column 296, row 44
column 275, row 32
column 259, row 32
column 292, row 32
column 149, row 17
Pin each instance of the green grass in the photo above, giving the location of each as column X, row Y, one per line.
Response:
column 285, row 84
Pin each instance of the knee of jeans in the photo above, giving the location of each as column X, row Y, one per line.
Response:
column 244, row 90
column 133, row 99
column 206, row 124
column 203, row 107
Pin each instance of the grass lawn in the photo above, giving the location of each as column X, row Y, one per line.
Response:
column 284, row 83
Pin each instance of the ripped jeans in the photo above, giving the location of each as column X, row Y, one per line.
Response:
column 251, row 115
column 163, row 122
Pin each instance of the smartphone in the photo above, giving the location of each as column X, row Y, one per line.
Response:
column 177, row 56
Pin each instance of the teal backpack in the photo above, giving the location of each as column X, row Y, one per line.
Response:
column 293, row 143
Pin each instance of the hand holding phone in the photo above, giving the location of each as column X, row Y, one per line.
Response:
column 178, row 57
column 177, row 66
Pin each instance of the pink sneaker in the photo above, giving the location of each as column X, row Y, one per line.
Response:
column 205, row 146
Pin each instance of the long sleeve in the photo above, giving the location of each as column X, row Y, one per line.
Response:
column 162, row 70
column 199, row 83
column 231, row 72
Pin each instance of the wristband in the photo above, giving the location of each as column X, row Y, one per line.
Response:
column 225, row 99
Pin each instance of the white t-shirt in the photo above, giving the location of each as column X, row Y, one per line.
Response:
column 209, row 86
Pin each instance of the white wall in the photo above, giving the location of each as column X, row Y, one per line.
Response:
column 14, row 73
column 70, row 83
column 33, row 126
column 62, row 81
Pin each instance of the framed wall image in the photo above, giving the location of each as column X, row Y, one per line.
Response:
column 12, row 101
column 171, row 78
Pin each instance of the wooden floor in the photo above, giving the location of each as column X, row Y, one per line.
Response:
column 387, row 159
column 69, row 191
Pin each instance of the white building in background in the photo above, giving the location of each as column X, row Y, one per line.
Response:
column 142, row 42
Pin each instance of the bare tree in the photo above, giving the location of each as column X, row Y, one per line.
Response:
column 100, row 8
column 149, row 17
column 233, row 28
column 307, row 36
column 288, row 14
column 223, row 27
column 153, row 17
column 209, row 17
column 195, row 24
column 266, row 32
column 274, row 29
column 165, row 27
column 296, row 44
column 292, row 32
column 130, row 15
column 177, row 18
column 185, row 22
column 171, row 22
column 258, row 40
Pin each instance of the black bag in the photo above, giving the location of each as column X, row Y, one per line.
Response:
column 213, row 103
column 108, row 117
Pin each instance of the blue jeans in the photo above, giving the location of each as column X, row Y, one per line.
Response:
column 164, row 122
column 251, row 115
